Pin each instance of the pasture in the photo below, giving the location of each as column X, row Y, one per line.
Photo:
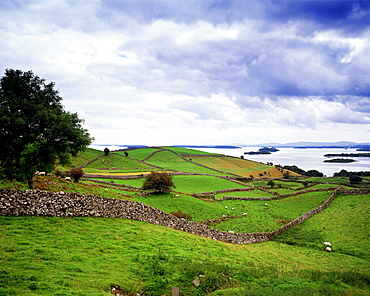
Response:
column 84, row 256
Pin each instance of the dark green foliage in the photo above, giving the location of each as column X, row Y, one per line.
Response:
column 271, row 183
column 344, row 173
column 158, row 182
column 126, row 153
column 35, row 130
column 355, row 179
column 295, row 169
column 314, row 173
column 106, row 151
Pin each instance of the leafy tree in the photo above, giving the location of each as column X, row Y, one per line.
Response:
column 106, row 151
column 126, row 153
column 76, row 174
column 35, row 130
column 158, row 182
column 295, row 169
column 355, row 179
column 271, row 183
column 342, row 173
column 314, row 173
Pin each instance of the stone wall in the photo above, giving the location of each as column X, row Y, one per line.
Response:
column 279, row 196
column 60, row 204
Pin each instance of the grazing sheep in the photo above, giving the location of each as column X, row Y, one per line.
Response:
column 244, row 214
column 42, row 174
column 232, row 209
column 230, row 231
column 225, row 207
column 68, row 179
column 327, row 244
column 327, row 249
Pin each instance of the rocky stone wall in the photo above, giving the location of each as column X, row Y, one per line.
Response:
column 60, row 204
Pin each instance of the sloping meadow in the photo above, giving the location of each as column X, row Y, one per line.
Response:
column 85, row 256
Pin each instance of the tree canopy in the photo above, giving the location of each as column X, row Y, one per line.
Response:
column 158, row 182
column 35, row 130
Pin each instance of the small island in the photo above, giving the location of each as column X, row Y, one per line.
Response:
column 348, row 155
column 340, row 160
column 264, row 150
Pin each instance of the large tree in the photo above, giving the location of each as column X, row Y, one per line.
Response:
column 35, row 130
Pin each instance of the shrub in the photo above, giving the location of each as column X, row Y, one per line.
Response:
column 271, row 183
column 76, row 174
column 158, row 182
column 355, row 179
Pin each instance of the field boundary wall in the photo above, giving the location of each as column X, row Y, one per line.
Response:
column 61, row 204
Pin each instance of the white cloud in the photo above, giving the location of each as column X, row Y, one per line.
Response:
column 208, row 72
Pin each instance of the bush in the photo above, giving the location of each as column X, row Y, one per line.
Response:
column 355, row 179
column 158, row 182
column 271, row 183
column 76, row 174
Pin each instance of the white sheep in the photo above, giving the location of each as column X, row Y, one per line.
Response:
column 244, row 214
column 68, row 179
column 327, row 244
column 230, row 231
column 42, row 173
column 327, row 249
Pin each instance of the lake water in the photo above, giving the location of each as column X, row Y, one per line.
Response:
column 306, row 159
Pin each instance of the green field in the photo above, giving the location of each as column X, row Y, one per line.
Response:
column 85, row 256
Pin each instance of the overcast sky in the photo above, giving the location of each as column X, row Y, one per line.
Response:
column 173, row 72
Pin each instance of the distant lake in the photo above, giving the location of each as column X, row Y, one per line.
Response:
column 306, row 159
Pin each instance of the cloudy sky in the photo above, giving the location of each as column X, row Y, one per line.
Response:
column 166, row 72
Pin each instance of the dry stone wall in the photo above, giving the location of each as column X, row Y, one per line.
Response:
column 60, row 204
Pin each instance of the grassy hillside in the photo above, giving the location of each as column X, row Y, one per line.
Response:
column 84, row 256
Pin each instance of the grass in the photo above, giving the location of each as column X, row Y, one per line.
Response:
column 121, row 164
column 349, row 215
column 139, row 153
column 197, row 184
column 84, row 256
column 188, row 151
column 242, row 167
column 169, row 160
column 82, row 158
